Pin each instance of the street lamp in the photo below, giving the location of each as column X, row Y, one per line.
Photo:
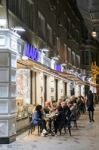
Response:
column 94, row 34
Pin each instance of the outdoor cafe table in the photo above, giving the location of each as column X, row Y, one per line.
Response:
column 50, row 120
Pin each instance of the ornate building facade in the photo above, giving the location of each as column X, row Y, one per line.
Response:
column 50, row 60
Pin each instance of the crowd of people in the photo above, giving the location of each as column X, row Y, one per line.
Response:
column 54, row 115
column 60, row 111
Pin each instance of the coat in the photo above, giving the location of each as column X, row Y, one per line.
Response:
column 90, row 102
column 37, row 117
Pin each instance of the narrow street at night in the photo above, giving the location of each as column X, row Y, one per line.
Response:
column 49, row 74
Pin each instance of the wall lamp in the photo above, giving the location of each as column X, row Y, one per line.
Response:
column 24, row 57
column 56, row 57
column 45, row 50
column 18, row 28
column 63, row 64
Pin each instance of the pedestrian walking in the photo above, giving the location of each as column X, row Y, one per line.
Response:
column 90, row 106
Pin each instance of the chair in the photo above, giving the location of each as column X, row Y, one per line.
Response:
column 73, row 117
column 64, row 122
column 32, row 128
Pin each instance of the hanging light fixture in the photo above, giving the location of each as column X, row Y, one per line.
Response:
column 94, row 34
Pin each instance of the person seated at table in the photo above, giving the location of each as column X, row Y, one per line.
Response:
column 66, row 110
column 58, row 118
column 38, row 119
column 63, row 112
column 48, row 107
column 82, row 104
column 72, row 106
column 59, row 102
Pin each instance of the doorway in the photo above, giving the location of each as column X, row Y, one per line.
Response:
column 45, row 88
column 56, row 89
column 65, row 89
column 33, row 88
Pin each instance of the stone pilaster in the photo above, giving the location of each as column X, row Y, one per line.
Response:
column 68, row 89
column 8, row 61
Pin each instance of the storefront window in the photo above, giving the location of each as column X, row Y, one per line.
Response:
column 23, row 85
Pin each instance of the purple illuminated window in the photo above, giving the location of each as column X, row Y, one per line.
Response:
column 31, row 52
column 58, row 67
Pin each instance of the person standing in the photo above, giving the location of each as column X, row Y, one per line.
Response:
column 90, row 106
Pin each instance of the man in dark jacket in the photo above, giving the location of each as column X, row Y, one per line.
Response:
column 90, row 105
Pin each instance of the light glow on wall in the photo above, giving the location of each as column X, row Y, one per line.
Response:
column 2, row 22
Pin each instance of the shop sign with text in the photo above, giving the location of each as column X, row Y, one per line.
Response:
column 58, row 67
column 31, row 52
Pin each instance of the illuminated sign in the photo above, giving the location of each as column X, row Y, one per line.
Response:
column 58, row 67
column 31, row 52
column 34, row 54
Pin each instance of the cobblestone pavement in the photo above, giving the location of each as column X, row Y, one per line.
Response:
column 84, row 138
